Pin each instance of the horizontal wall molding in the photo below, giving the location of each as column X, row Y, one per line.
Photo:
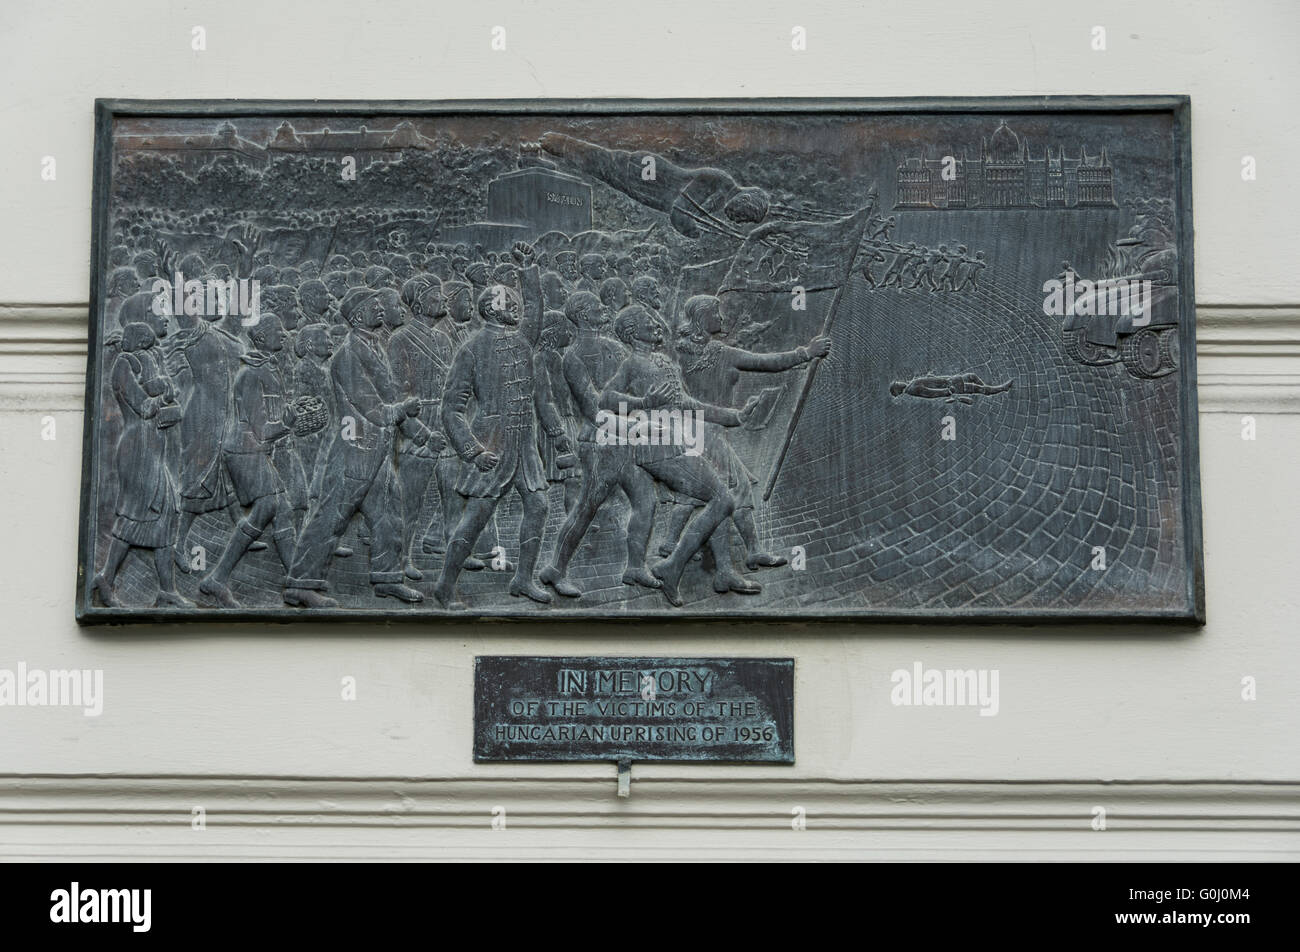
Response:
column 580, row 816
column 1248, row 357
column 43, row 357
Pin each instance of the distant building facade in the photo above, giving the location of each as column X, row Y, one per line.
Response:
column 1005, row 175
column 192, row 152
column 525, row 204
column 366, row 146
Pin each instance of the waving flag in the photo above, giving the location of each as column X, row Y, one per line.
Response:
column 781, row 255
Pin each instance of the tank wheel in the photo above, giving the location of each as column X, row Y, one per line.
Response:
column 1143, row 354
column 1168, row 350
column 1078, row 348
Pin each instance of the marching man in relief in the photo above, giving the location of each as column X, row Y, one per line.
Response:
column 261, row 419
column 359, row 475
column 500, row 375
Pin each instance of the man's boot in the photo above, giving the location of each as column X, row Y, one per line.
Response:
column 215, row 584
column 402, row 592
column 523, row 583
column 308, row 598
column 552, row 576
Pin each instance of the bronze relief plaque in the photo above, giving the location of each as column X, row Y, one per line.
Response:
column 633, row 359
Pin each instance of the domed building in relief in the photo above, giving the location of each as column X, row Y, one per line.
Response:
column 1005, row 175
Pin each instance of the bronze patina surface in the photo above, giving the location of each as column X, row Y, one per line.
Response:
column 771, row 359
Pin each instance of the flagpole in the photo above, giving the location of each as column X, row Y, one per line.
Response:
column 812, row 368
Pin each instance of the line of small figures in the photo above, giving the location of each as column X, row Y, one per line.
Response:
column 938, row 269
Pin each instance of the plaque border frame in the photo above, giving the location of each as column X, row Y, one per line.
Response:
column 108, row 110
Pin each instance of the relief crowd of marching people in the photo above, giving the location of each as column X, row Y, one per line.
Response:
column 408, row 391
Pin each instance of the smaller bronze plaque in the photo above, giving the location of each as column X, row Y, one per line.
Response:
column 738, row 710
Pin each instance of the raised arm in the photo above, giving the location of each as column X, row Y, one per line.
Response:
column 622, row 169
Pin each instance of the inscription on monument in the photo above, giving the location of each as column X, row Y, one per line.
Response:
column 612, row 708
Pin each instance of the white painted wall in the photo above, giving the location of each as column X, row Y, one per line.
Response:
column 247, row 721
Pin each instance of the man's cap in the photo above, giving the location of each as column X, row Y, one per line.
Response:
column 354, row 299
